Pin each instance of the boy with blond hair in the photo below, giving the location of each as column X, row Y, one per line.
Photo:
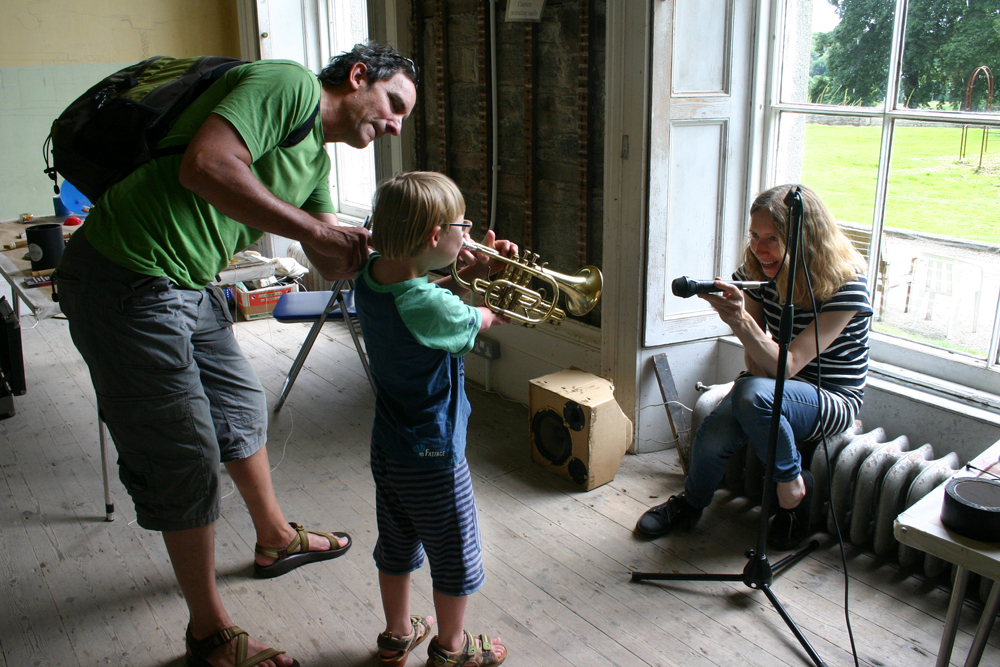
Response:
column 416, row 333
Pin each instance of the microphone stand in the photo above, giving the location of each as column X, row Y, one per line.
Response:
column 758, row 573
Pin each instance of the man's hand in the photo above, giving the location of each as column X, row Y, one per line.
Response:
column 339, row 251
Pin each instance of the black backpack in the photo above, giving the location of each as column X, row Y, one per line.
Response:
column 107, row 132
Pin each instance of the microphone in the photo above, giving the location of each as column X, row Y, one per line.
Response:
column 685, row 287
column 794, row 195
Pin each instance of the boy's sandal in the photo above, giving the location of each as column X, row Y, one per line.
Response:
column 403, row 645
column 293, row 555
column 198, row 650
column 477, row 652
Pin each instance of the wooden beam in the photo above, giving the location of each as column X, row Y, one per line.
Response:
column 675, row 414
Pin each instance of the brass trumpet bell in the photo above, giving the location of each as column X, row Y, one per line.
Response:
column 509, row 295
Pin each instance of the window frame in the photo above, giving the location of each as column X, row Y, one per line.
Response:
column 348, row 209
column 921, row 358
column 306, row 35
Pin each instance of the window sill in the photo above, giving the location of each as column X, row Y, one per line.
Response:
column 921, row 361
column 347, row 219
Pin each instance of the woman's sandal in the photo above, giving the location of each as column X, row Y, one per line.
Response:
column 477, row 652
column 293, row 555
column 403, row 645
column 198, row 650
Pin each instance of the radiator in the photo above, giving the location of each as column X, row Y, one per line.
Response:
column 873, row 481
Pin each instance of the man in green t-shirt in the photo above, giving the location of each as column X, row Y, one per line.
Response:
column 176, row 392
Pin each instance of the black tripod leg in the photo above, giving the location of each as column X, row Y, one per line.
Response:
column 791, row 626
column 676, row 576
column 794, row 558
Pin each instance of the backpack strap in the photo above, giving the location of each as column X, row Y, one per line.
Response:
column 202, row 74
column 302, row 131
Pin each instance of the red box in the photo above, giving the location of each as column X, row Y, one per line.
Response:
column 260, row 303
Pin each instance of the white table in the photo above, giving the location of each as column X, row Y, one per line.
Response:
column 920, row 527
column 14, row 269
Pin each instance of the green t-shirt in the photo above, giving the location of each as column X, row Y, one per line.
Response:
column 151, row 224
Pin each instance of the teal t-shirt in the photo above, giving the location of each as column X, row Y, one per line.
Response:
column 415, row 334
column 151, row 224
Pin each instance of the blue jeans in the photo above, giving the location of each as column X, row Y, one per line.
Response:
column 744, row 416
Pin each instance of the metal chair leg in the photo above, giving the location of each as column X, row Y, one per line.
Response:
column 109, row 505
column 300, row 358
column 357, row 341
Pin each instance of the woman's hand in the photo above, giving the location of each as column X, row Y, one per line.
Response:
column 729, row 304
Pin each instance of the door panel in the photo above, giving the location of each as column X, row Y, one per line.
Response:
column 701, row 96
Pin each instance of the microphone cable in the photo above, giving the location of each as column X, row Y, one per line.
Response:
column 826, row 452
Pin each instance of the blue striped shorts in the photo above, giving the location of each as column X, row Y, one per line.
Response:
column 430, row 511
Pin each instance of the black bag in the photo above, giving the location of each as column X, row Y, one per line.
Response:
column 106, row 133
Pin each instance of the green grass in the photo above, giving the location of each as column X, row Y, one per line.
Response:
column 929, row 189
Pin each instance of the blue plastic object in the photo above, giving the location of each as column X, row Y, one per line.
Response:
column 308, row 306
column 73, row 199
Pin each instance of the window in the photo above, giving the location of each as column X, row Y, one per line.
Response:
column 885, row 108
column 310, row 32
column 352, row 179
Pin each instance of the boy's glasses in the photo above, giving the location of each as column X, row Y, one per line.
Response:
column 466, row 224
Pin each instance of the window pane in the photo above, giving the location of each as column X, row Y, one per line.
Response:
column 836, row 55
column 942, row 224
column 951, row 50
column 355, row 168
column 838, row 158
column 835, row 156
column 355, row 179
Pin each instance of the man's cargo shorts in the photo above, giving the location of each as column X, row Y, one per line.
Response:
column 176, row 392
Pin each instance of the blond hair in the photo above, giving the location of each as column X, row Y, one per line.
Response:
column 829, row 254
column 408, row 207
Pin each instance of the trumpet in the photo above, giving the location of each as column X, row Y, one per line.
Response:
column 510, row 296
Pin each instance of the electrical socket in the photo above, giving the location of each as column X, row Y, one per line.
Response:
column 486, row 348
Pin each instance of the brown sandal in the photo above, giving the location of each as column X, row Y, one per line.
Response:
column 293, row 555
column 403, row 645
column 477, row 652
column 198, row 650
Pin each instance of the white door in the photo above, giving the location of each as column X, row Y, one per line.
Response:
column 699, row 152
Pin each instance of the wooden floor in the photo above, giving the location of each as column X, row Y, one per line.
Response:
column 80, row 591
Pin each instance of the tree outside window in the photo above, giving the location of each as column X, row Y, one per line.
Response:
column 892, row 122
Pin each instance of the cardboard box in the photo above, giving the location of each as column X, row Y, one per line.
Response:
column 258, row 304
column 577, row 429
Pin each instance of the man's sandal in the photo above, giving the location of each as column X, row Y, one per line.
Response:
column 477, row 652
column 293, row 555
column 403, row 645
column 198, row 650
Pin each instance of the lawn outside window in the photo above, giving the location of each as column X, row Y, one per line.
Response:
column 871, row 105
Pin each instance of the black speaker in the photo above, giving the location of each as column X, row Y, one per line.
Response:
column 577, row 429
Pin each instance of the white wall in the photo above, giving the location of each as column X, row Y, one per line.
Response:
column 51, row 52
column 949, row 425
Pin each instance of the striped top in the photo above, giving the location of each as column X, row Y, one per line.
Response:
column 844, row 364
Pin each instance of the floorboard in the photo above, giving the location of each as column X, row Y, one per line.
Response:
column 82, row 591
